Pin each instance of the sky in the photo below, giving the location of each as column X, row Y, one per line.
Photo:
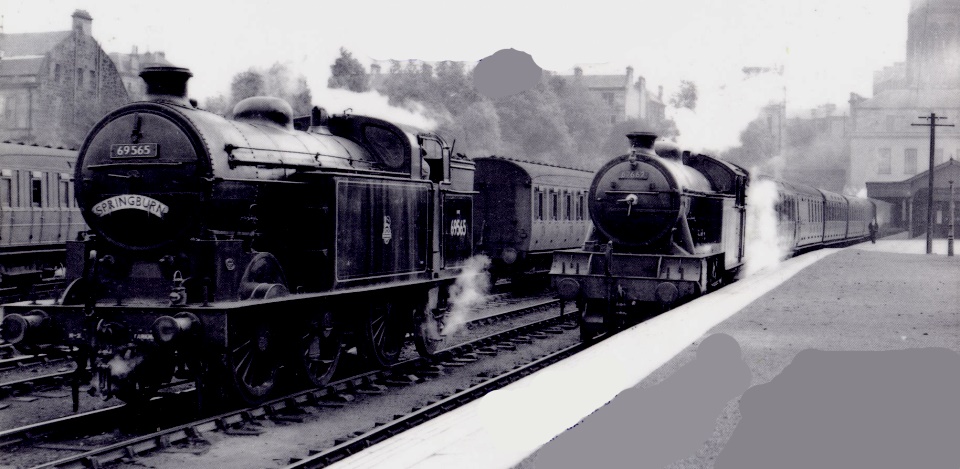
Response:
column 826, row 48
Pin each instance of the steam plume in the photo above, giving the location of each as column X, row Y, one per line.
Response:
column 469, row 291
column 765, row 247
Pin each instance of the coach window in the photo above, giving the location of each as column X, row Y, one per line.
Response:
column 554, row 205
column 64, row 190
column 36, row 189
column 539, row 203
column 580, row 206
column 568, row 206
column 6, row 188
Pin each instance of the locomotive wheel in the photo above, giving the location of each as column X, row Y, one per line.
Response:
column 252, row 362
column 383, row 333
column 427, row 336
column 319, row 352
column 593, row 320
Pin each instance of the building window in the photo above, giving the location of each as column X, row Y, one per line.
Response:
column 910, row 161
column 891, row 123
column 883, row 161
column 56, row 73
column 93, row 80
column 79, row 78
column 608, row 97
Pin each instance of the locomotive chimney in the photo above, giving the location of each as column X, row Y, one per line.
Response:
column 167, row 83
column 641, row 143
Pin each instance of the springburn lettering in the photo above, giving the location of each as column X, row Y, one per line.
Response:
column 131, row 201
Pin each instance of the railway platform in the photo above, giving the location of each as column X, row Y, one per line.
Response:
column 869, row 297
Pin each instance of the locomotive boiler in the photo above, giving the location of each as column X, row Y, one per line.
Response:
column 667, row 226
column 241, row 252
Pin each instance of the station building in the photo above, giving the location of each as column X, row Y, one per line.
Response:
column 908, row 199
column 55, row 85
column 884, row 146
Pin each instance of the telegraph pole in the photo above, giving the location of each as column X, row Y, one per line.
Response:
column 933, row 143
column 950, row 233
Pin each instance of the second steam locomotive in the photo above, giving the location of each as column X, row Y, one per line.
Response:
column 670, row 226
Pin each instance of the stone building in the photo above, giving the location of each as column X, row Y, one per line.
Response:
column 129, row 66
column 627, row 98
column 884, row 145
column 55, row 85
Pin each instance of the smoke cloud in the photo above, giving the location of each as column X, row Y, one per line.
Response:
column 723, row 112
column 765, row 247
column 469, row 291
column 374, row 104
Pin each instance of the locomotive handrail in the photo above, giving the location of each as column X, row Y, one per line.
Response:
column 316, row 155
column 135, row 163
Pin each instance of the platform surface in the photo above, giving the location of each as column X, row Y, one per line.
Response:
column 772, row 315
column 883, row 296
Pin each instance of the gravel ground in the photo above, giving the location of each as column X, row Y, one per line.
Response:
column 31, row 407
column 864, row 298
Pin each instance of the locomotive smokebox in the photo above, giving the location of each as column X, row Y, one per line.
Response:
column 167, row 83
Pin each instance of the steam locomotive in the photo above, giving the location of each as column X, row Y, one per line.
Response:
column 224, row 250
column 669, row 226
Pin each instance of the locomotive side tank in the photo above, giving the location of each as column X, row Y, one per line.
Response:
column 236, row 252
column 668, row 226
column 525, row 211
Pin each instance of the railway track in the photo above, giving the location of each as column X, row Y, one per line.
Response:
column 53, row 434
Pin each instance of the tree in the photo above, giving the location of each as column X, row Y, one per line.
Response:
column 686, row 96
column 246, row 84
column 476, row 130
column 219, row 104
column 758, row 145
column 532, row 125
column 348, row 73
column 586, row 116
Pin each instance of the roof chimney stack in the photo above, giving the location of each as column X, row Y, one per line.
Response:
column 82, row 23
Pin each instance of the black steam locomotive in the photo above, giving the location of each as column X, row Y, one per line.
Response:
column 224, row 250
column 670, row 226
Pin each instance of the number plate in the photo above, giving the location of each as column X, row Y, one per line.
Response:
column 134, row 150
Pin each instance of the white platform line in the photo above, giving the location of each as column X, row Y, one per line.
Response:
column 506, row 426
